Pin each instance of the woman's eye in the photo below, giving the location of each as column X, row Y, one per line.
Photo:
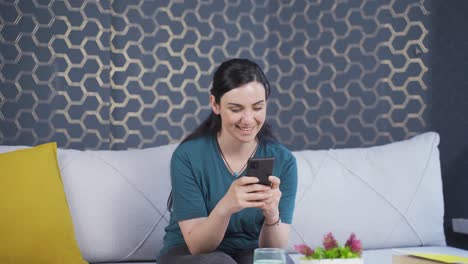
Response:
column 235, row 110
column 257, row 109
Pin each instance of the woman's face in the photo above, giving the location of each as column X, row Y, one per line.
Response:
column 242, row 110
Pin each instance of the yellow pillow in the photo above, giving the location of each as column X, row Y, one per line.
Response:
column 35, row 224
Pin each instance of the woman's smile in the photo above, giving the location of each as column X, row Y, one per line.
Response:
column 246, row 129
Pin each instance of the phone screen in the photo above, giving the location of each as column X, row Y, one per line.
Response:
column 261, row 168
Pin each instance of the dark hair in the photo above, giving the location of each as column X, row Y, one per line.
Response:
column 230, row 75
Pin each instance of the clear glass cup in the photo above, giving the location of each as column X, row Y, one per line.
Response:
column 269, row 256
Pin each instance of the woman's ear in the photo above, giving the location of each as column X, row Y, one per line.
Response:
column 214, row 105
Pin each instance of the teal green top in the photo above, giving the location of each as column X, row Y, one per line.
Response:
column 200, row 179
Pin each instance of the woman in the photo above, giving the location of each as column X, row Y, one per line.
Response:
column 219, row 216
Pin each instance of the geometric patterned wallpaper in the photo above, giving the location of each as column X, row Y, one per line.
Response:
column 133, row 74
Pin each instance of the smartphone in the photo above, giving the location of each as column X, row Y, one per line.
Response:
column 261, row 168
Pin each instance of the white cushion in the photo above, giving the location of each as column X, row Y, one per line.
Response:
column 390, row 195
column 118, row 201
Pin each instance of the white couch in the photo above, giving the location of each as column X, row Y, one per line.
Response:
column 390, row 196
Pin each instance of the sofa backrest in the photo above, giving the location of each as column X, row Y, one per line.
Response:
column 390, row 196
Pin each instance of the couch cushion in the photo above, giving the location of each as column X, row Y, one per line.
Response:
column 35, row 226
column 118, row 201
column 390, row 195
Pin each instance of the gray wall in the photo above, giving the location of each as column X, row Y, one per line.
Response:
column 449, row 105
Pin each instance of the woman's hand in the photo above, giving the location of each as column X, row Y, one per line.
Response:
column 270, row 208
column 245, row 193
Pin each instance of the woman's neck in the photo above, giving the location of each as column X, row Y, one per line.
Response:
column 233, row 147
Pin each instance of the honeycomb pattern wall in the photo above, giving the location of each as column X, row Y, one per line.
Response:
column 133, row 74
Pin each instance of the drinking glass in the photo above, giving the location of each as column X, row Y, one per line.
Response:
column 269, row 256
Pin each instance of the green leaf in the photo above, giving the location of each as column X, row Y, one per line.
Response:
column 319, row 253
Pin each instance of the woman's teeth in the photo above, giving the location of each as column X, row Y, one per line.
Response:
column 246, row 128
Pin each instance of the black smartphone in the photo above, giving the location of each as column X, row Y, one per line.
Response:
column 261, row 168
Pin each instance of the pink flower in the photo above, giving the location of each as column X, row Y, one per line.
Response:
column 304, row 249
column 354, row 244
column 329, row 241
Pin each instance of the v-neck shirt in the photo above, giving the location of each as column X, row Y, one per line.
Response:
column 200, row 179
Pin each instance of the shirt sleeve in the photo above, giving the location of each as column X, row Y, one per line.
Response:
column 188, row 201
column 288, row 188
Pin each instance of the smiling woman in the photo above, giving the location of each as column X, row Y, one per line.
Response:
column 218, row 216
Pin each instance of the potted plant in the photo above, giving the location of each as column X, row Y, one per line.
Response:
column 332, row 252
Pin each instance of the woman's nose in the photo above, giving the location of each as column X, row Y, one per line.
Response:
column 248, row 115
